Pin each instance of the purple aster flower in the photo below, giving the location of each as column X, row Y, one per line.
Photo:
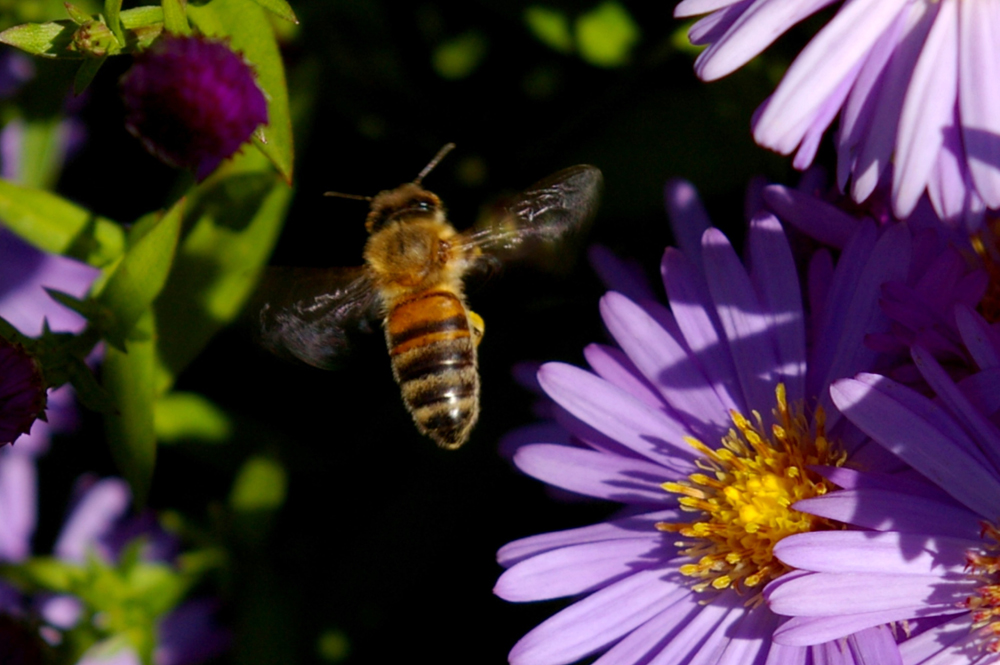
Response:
column 926, row 551
column 912, row 81
column 192, row 102
column 704, row 424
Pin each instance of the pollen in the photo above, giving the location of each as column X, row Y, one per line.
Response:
column 984, row 603
column 744, row 493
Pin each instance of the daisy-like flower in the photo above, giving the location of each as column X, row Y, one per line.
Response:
column 913, row 82
column 705, row 424
column 927, row 548
column 192, row 102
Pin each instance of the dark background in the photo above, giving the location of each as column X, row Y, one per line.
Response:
column 386, row 544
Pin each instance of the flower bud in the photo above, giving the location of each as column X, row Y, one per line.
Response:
column 22, row 391
column 192, row 101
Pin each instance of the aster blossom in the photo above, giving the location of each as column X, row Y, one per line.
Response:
column 192, row 102
column 704, row 424
column 913, row 82
column 927, row 548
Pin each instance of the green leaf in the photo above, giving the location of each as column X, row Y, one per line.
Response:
column 48, row 40
column 246, row 24
column 279, row 7
column 606, row 34
column 550, row 26
column 88, row 70
column 459, row 57
column 90, row 393
column 55, row 225
column 189, row 416
column 142, row 17
column 77, row 15
column 260, row 485
column 131, row 380
column 234, row 220
column 112, row 16
column 174, row 18
column 48, row 573
column 142, row 272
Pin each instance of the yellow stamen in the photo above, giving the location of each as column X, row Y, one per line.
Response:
column 746, row 493
column 984, row 604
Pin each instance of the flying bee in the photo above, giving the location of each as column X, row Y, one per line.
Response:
column 415, row 265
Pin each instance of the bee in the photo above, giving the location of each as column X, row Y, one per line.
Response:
column 413, row 281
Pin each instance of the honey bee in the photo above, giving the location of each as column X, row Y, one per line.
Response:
column 413, row 281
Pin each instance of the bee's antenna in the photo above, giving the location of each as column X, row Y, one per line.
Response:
column 448, row 147
column 341, row 195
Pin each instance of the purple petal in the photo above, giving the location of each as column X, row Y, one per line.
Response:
column 24, row 271
column 954, row 641
column 756, row 28
column 803, row 631
column 749, row 641
column 816, row 218
column 711, row 399
column 975, row 423
column 905, row 39
column 583, row 568
column 820, row 69
column 874, row 552
column 853, row 311
column 18, row 504
column 62, row 611
column 979, row 97
column 776, row 281
column 618, row 415
column 706, row 632
column 618, row 369
column 982, row 389
column 596, row 474
column 915, row 429
column 929, row 108
column 601, row 618
column 862, row 105
column 92, row 518
column 627, row 528
column 881, row 510
column 835, row 594
column 687, row 8
column 688, row 218
column 979, row 338
column 654, row 637
column 743, row 321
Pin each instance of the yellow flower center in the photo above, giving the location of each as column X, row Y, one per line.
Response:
column 745, row 495
column 984, row 603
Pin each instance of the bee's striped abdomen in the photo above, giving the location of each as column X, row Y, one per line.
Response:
column 434, row 361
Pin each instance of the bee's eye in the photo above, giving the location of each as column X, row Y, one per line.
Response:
column 423, row 205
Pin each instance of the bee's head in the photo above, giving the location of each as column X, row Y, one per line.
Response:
column 406, row 201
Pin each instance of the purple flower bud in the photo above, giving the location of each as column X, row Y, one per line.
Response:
column 22, row 391
column 192, row 102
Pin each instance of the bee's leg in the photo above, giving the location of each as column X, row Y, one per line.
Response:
column 478, row 327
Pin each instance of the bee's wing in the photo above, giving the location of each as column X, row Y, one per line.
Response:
column 310, row 313
column 545, row 212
